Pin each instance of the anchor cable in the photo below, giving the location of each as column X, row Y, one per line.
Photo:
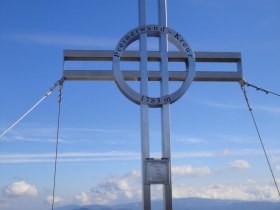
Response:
column 57, row 141
column 259, row 88
column 33, row 107
column 260, row 138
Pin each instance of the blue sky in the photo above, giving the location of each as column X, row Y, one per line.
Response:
column 215, row 150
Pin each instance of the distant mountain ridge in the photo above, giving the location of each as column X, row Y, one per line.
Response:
column 187, row 204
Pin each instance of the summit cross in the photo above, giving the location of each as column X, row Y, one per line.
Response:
column 154, row 171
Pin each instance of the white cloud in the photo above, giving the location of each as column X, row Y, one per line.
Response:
column 272, row 110
column 82, row 198
column 223, row 153
column 56, row 199
column 239, row 164
column 188, row 170
column 20, row 188
column 118, row 188
column 127, row 187
column 220, row 105
column 8, row 158
column 244, row 191
column 45, row 134
column 278, row 167
column 115, row 189
column 237, row 139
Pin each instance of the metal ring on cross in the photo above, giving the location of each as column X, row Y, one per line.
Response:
column 153, row 31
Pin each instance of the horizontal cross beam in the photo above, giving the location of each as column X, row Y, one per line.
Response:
column 152, row 75
column 107, row 55
column 133, row 75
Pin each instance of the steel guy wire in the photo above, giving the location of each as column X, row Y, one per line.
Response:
column 259, row 88
column 33, row 107
column 57, row 141
column 260, row 138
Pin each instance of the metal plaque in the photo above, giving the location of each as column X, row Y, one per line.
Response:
column 157, row 171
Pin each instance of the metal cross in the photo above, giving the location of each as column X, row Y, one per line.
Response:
column 154, row 171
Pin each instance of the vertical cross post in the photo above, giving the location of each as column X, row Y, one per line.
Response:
column 164, row 90
column 165, row 125
column 144, row 108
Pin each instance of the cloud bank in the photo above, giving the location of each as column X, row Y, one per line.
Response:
column 20, row 188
